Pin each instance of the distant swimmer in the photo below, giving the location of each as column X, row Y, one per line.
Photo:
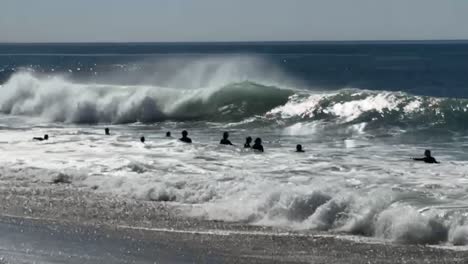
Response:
column 258, row 145
column 168, row 134
column 427, row 157
column 299, row 148
column 248, row 140
column 184, row 137
column 225, row 140
column 46, row 137
column 142, row 139
column 107, row 131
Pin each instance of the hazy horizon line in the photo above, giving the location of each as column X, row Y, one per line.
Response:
column 441, row 41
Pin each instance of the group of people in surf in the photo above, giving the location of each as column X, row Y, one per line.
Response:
column 257, row 146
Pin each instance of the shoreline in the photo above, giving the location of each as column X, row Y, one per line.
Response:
column 113, row 244
column 157, row 226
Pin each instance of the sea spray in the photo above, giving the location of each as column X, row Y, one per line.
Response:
column 59, row 100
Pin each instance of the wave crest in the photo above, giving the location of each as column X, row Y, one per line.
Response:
column 372, row 215
column 376, row 109
column 59, row 100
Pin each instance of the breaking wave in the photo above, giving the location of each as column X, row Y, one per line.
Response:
column 376, row 109
column 380, row 214
column 62, row 101
column 59, row 100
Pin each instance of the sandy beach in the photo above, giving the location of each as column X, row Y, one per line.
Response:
column 60, row 223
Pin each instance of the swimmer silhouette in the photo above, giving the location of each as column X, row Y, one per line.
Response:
column 248, row 140
column 299, row 148
column 184, row 137
column 225, row 140
column 168, row 134
column 142, row 139
column 258, row 145
column 46, row 137
column 107, row 131
column 427, row 157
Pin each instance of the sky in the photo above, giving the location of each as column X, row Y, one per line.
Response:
column 231, row 20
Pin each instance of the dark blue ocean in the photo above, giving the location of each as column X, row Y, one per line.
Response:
column 422, row 68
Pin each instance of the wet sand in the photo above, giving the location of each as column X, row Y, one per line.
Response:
column 26, row 240
column 61, row 223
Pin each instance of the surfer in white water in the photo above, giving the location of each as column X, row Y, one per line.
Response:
column 185, row 137
column 299, row 148
column 225, row 140
column 46, row 137
column 248, row 141
column 427, row 157
column 258, row 145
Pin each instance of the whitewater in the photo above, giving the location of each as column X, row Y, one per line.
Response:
column 356, row 176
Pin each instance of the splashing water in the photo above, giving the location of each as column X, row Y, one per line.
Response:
column 356, row 175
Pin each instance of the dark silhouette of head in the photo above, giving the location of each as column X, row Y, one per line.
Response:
column 168, row 134
column 225, row 135
column 107, row 131
column 299, row 148
column 142, row 139
column 46, row 137
column 248, row 140
column 185, row 138
column 427, row 153
column 258, row 145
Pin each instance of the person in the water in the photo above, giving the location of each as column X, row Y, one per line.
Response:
column 107, row 131
column 258, row 145
column 248, row 141
column 46, row 137
column 168, row 134
column 184, row 137
column 142, row 139
column 299, row 148
column 427, row 157
column 225, row 140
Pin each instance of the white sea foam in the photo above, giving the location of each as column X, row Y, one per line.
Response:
column 333, row 187
column 348, row 109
